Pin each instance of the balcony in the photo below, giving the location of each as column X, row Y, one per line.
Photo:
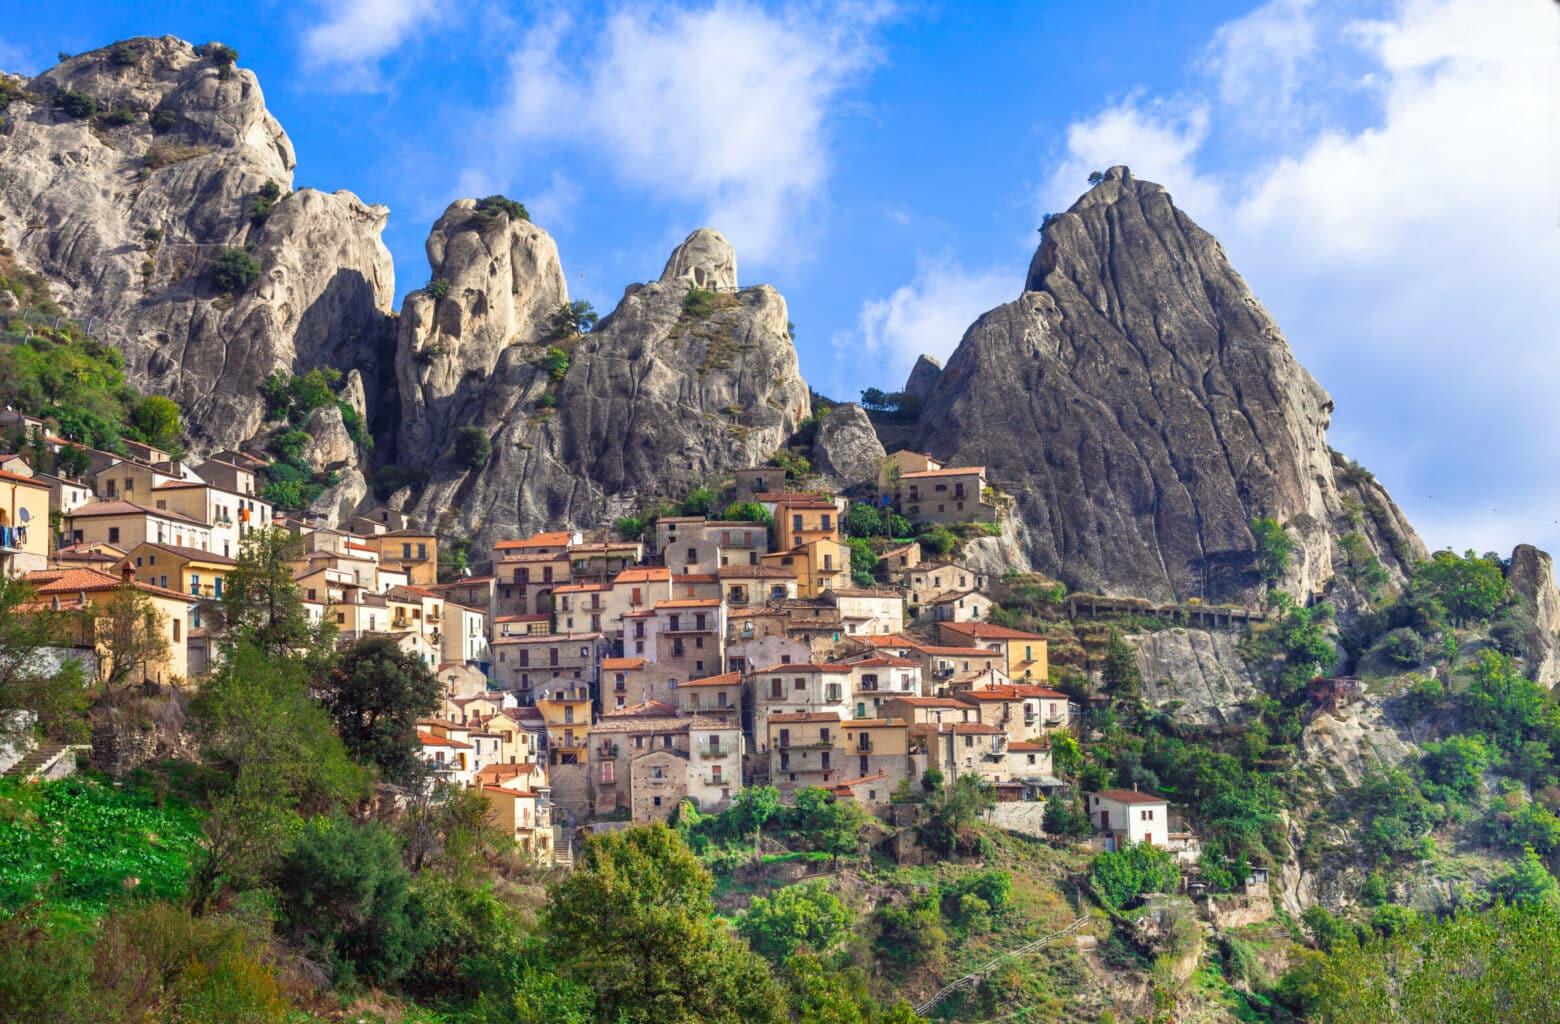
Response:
column 715, row 780
column 864, row 747
column 715, row 753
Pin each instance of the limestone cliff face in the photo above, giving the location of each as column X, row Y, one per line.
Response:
column 656, row 399
column 1532, row 577
column 125, row 219
column 1143, row 408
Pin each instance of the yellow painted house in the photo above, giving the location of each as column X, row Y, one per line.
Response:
column 24, row 524
column 186, row 570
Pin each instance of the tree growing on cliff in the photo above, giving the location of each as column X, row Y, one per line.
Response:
column 1273, row 548
column 375, row 696
column 1120, row 675
column 473, row 449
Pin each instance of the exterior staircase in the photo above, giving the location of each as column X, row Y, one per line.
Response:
column 41, row 761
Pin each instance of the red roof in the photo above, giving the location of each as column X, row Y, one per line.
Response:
column 558, row 538
column 690, row 602
column 1023, row 745
column 883, row 660
column 933, row 702
column 725, row 679
column 977, row 728
column 945, row 471
column 122, row 508
column 17, row 478
column 802, row 667
column 429, row 740
column 648, row 574
column 988, row 631
column 610, row 664
column 1130, row 796
column 72, row 581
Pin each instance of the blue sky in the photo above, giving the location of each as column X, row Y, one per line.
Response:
column 1384, row 174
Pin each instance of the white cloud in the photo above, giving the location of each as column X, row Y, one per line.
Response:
column 725, row 108
column 356, row 34
column 1408, row 243
column 927, row 316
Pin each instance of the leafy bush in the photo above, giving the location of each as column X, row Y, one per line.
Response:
column 1457, row 764
column 121, row 56
column 747, row 512
column 699, row 303
column 76, row 104
column 391, row 478
column 1064, row 819
column 1121, row 876
column 491, row 208
column 473, row 448
column 222, row 56
column 265, row 201
column 701, row 501
column 863, row 562
column 344, row 892
column 547, row 400
column 571, row 319
column 952, row 810
column 1470, row 587
column 556, row 362
column 798, row 916
column 1273, row 548
column 163, row 121
column 938, row 540
column 1403, row 647
column 630, row 527
column 118, row 117
column 234, row 270
column 438, row 287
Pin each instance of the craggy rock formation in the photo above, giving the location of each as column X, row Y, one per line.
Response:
column 501, row 283
column 125, row 219
column 664, row 394
column 847, row 451
column 923, row 377
column 1143, row 408
column 1532, row 577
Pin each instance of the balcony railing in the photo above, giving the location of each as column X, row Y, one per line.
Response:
column 716, row 780
column 864, row 747
column 714, row 753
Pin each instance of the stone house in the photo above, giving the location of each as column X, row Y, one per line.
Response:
column 805, row 749
column 953, row 494
column 1026, row 654
column 873, row 611
column 805, row 687
column 716, row 697
column 928, row 581
column 960, row 606
column 658, row 783
column 877, row 747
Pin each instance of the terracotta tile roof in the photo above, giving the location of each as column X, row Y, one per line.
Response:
column 690, row 602
column 945, row 471
column 123, row 508
column 696, row 577
column 806, row 716
column 802, row 667
column 613, row 664
column 977, row 729
column 559, row 538
column 1130, row 796
column 845, row 786
column 640, row 723
column 1028, row 745
column 963, row 652
column 724, row 679
column 881, row 660
column 988, row 631
column 72, row 581
column 17, row 478
column 646, row 574
column 582, row 588
column 933, row 702
column 644, row 709
column 430, row 740
column 865, row 592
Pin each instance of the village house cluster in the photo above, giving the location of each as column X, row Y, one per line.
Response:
column 594, row 676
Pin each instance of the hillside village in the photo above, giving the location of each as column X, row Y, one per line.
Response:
column 598, row 677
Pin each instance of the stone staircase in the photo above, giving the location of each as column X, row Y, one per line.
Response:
column 42, row 762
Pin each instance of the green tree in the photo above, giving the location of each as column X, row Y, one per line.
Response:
column 262, row 603
column 573, row 318
column 798, row 916
column 1120, row 876
column 863, row 520
column 28, row 681
column 157, row 419
column 277, row 753
column 701, row 501
column 1065, row 819
column 1470, row 587
column 747, row 512
column 863, row 562
column 234, row 270
column 345, row 896
column 473, row 449
column 630, row 527
column 634, row 923
column 1120, row 675
column 830, row 824
column 753, row 808
column 375, row 695
column 1458, row 764
column 1528, row 881
column 1472, row 967
column 952, row 810
column 556, row 362
column 1066, row 754
column 1273, row 548
column 129, row 631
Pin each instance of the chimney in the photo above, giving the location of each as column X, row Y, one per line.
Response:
column 127, row 573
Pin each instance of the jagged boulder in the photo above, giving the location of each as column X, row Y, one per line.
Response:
column 661, row 396
column 329, row 443
column 846, row 450
column 1532, row 578
column 704, row 260
column 923, row 378
column 125, row 215
column 495, row 281
column 1142, row 408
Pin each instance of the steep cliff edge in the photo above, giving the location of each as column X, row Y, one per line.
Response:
column 124, row 211
column 671, row 389
column 1143, row 408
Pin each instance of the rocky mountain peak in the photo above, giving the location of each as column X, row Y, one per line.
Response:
column 1143, row 408
column 704, row 260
